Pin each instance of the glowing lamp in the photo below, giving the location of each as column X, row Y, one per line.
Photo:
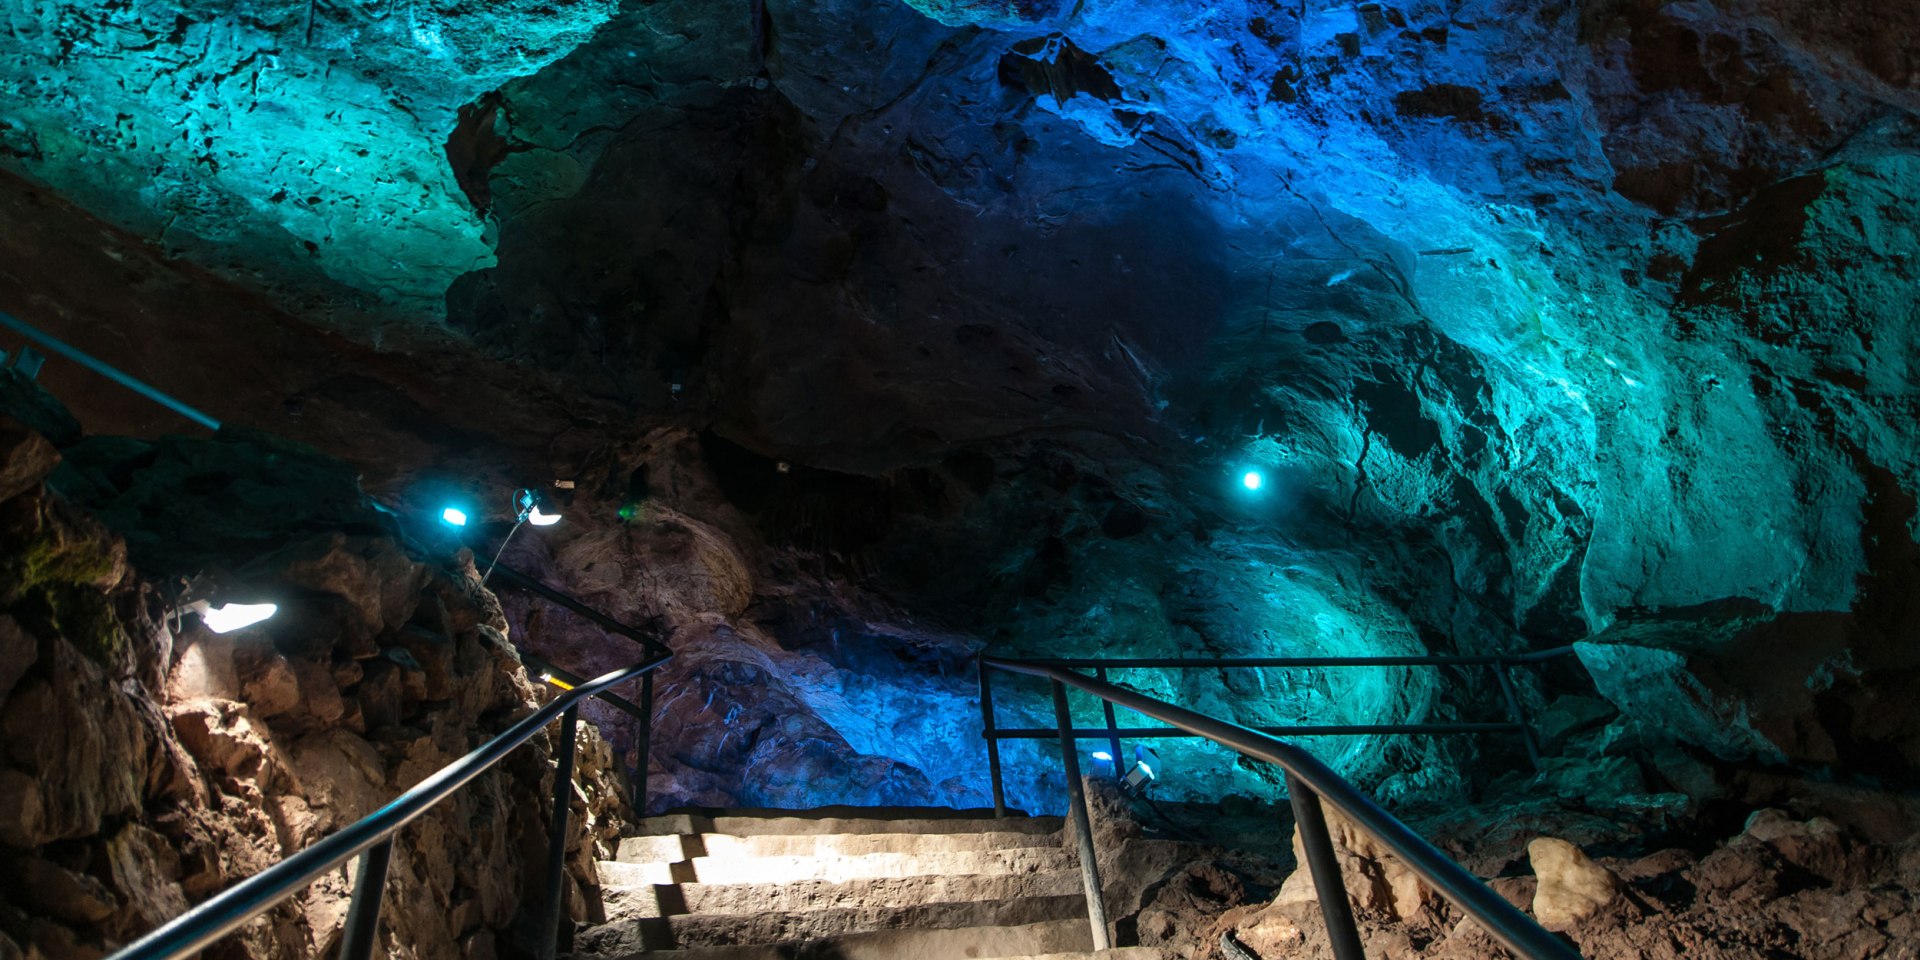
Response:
column 1252, row 480
column 532, row 503
column 229, row 617
column 454, row 516
column 1103, row 755
column 1141, row 775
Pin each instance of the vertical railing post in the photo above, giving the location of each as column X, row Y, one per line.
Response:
column 549, row 930
column 993, row 742
column 1082, row 823
column 363, row 914
column 1514, row 714
column 1113, row 736
column 640, row 782
column 1328, row 885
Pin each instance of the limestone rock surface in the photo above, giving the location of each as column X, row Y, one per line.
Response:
column 1571, row 887
column 150, row 763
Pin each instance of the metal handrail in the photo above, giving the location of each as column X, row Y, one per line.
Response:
column 522, row 581
column 373, row 835
column 106, row 369
column 1500, row 663
column 1308, row 781
column 1437, row 660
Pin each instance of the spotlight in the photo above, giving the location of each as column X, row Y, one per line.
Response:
column 1252, row 480
column 229, row 617
column 530, row 503
column 454, row 516
column 1103, row 765
column 1142, row 775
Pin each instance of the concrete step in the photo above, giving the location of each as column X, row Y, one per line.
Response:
column 1071, row 937
column 689, row 846
column 657, row 900
column 848, row 820
column 782, row 926
column 1117, row 953
column 836, row 869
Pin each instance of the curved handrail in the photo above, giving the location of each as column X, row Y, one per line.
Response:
column 213, row 919
column 1516, row 930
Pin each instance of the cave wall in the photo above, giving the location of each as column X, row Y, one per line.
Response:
column 1545, row 322
column 150, row 763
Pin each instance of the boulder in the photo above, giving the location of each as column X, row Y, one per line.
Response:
column 62, row 893
column 26, row 458
column 146, row 872
column 17, row 654
column 1572, row 887
column 22, row 812
column 1377, row 882
column 87, row 750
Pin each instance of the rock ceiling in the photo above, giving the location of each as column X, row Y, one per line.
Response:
column 1545, row 320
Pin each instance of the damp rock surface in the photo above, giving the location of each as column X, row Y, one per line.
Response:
column 151, row 763
column 874, row 335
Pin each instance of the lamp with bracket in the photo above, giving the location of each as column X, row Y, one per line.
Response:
column 530, row 507
column 210, row 599
column 1145, row 770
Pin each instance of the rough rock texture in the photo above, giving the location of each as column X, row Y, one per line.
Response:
column 1569, row 887
column 1543, row 323
column 1780, row 887
column 150, row 763
column 303, row 146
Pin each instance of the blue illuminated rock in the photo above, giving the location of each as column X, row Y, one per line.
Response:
column 1541, row 325
column 296, row 146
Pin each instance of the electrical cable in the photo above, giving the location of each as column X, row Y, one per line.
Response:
column 503, row 549
column 1178, row 828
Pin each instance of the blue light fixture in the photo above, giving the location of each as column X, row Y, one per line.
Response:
column 454, row 516
column 1252, row 480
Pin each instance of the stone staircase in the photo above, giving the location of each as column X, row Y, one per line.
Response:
column 844, row 884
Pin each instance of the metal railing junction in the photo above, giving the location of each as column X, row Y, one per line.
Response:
column 643, row 711
column 1309, row 782
column 1515, row 723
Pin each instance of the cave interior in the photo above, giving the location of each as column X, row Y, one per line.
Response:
column 1573, row 347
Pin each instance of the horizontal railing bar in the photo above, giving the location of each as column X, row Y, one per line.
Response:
column 227, row 911
column 573, row 679
column 1187, row 663
column 107, row 370
column 1330, row 730
column 557, row 598
column 1507, row 924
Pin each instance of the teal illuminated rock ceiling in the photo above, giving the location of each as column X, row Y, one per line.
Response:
column 1539, row 322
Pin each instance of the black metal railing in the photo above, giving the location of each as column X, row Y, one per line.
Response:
column 371, row 839
column 1308, row 781
column 549, row 673
column 1515, row 723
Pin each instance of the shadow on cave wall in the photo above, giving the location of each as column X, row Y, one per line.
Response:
column 891, row 289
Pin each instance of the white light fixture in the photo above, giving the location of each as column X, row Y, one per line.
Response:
column 530, row 501
column 454, row 516
column 1103, row 755
column 229, row 617
column 1252, row 480
column 1142, row 774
